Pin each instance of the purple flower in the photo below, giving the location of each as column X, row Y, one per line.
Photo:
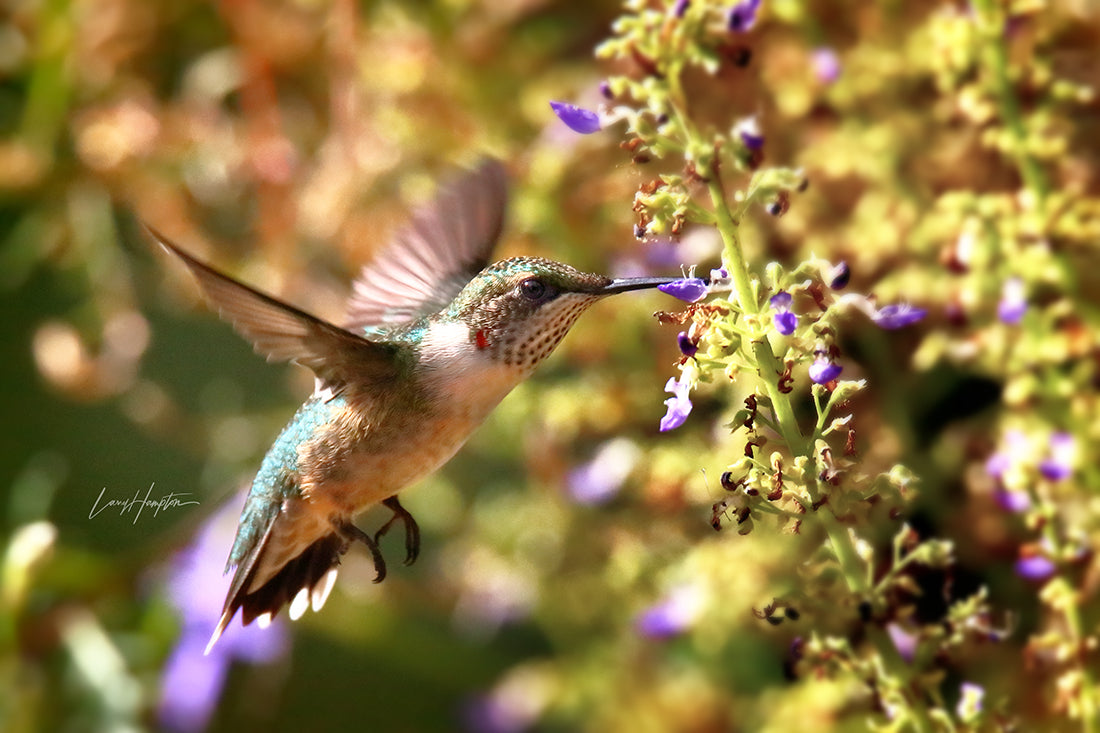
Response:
column 671, row 616
column 749, row 132
column 826, row 64
column 971, row 697
column 838, row 276
column 601, row 478
column 680, row 8
column 1016, row 502
column 1058, row 465
column 191, row 683
column 679, row 405
column 605, row 90
column 824, row 370
column 785, row 322
column 687, row 346
column 899, row 315
column 905, row 641
column 720, row 274
column 1035, row 567
column 997, row 464
column 1013, row 303
column 577, row 119
column 687, row 289
column 742, row 16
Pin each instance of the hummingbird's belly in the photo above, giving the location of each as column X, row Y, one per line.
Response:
column 369, row 476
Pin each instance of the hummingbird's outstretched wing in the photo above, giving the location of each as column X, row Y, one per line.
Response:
column 432, row 258
column 281, row 332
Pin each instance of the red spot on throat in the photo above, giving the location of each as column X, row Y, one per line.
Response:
column 482, row 339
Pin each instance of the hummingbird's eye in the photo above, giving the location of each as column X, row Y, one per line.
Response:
column 534, row 289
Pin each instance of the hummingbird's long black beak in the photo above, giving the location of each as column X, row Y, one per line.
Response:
column 622, row 285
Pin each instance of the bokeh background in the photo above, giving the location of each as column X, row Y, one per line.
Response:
column 569, row 577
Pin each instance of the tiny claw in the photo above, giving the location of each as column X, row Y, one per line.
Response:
column 412, row 529
column 350, row 532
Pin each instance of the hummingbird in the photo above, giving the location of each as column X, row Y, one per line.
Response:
column 434, row 338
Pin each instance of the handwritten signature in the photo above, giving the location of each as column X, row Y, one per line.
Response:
column 167, row 501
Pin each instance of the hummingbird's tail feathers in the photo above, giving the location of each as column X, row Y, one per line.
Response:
column 304, row 582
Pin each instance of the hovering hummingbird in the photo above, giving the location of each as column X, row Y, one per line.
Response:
column 434, row 338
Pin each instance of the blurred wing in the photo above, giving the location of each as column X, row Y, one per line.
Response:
column 281, row 332
column 433, row 257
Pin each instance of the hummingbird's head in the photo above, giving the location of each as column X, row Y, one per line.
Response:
column 520, row 309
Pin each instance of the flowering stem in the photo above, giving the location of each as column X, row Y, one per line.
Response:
column 992, row 29
column 851, row 566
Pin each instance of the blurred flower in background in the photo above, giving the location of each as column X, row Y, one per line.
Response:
column 191, row 683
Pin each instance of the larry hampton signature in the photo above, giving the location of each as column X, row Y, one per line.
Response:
column 168, row 501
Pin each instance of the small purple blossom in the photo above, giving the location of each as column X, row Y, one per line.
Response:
column 720, row 274
column 824, row 370
column 687, row 346
column 601, row 478
column 899, row 315
column 1058, row 465
column 1016, row 502
column 687, row 289
column 826, row 65
column 749, row 131
column 605, row 90
column 742, row 17
column 1035, row 567
column 905, row 641
column 838, row 276
column 971, row 696
column 679, row 405
column 680, row 8
column 671, row 616
column 785, row 321
column 1013, row 302
column 997, row 464
column 577, row 119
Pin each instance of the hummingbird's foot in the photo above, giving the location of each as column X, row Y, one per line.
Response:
column 351, row 533
column 412, row 529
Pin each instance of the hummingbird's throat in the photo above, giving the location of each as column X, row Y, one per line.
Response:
column 527, row 343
